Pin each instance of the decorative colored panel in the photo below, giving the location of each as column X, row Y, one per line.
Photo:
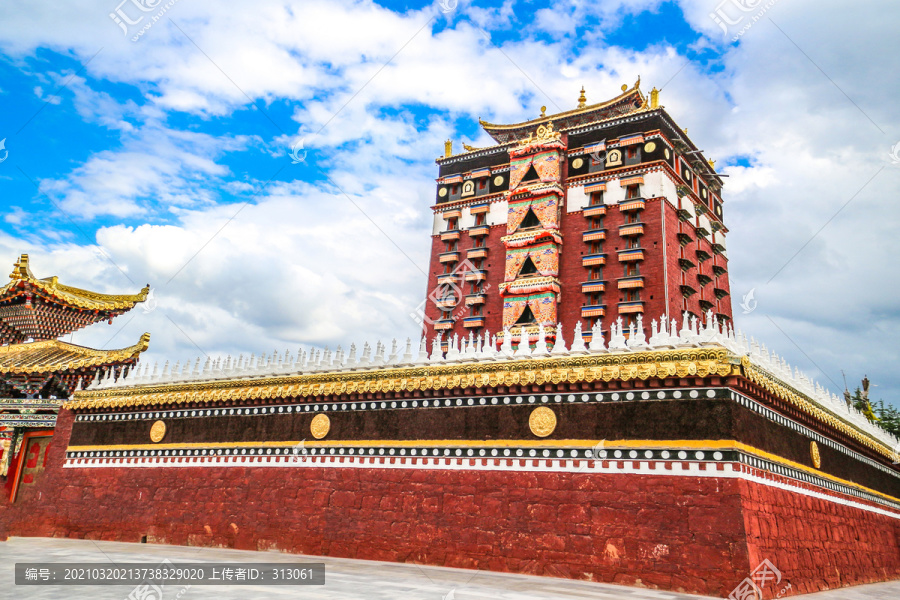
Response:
column 545, row 163
column 631, row 255
column 449, row 257
column 633, row 307
column 632, row 180
column 546, row 209
column 593, row 311
column 476, row 275
column 630, row 283
column 596, row 234
column 631, row 205
column 632, row 230
column 479, row 209
column 442, row 325
column 452, row 214
column 545, row 257
column 594, row 211
column 590, row 287
column 476, row 253
column 473, row 322
column 595, row 187
column 593, row 259
column 634, row 139
column 543, row 306
column 450, row 235
column 479, row 230
column 473, row 299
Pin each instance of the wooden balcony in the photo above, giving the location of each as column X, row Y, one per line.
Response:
column 628, row 283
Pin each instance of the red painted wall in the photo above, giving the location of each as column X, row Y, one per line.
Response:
column 817, row 544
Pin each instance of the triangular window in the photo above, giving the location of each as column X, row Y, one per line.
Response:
column 530, row 220
column 531, row 174
column 528, row 268
column 526, row 318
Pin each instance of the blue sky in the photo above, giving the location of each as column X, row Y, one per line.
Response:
column 167, row 160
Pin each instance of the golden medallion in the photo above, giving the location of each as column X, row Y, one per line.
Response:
column 442, row 192
column 498, row 180
column 576, row 164
column 320, row 426
column 814, row 454
column 157, row 432
column 542, row 421
column 649, row 147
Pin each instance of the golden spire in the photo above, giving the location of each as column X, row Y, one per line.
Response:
column 637, row 84
column 543, row 111
column 712, row 164
column 448, row 148
column 654, row 98
column 582, row 101
column 21, row 269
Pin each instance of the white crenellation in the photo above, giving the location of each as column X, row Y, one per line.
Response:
column 664, row 335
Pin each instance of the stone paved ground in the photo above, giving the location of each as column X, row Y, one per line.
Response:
column 345, row 579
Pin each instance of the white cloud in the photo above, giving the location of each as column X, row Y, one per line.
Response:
column 289, row 269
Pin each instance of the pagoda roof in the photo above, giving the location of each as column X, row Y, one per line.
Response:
column 68, row 295
column 51, row 356
column 630, row 100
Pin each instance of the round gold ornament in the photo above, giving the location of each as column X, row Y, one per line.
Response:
column 576, row 164
column 320, row 426
column 814, row 454
column 649, row 147
column 666, row 153
column 498, row 180
column 442, row 192
column 542, row 421
column 157, row 432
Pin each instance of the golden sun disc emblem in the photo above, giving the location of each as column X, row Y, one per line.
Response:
column 814, row 455
column 542, row 421
column 320, row 426
column 157, row 432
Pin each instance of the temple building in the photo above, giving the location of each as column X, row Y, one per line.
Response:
column 37, row 370
column 602, row 212
column 684, row 457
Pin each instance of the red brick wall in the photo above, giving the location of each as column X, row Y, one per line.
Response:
column 494, row 264
column 816, row 544
column 674, row 533
column 700, row 535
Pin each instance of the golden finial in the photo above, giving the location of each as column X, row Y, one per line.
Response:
column 448, row 148
column 543, row 111
column 624, row 87
column 582, row 101
column 685, row 130
column 712, row 164
column 654, row 98
column 637, row 84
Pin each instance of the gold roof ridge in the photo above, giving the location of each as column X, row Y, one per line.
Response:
column 78, row 297
column 568, row 113
column 55, row 355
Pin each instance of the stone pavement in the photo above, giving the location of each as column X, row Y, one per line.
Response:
column 346, row 579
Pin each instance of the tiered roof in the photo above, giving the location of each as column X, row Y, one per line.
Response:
column 53, row 356
column 44, row 309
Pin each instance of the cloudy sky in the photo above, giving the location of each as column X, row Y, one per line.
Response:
column 151, row 142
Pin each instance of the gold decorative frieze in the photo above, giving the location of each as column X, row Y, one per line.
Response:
column 697, row 362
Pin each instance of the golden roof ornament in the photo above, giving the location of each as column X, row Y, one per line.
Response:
column 582, row 100
column 544, row 111
column 637, row 84
column 712, row 164
column 654, row 98
column 448, row 148
column 544, row 133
